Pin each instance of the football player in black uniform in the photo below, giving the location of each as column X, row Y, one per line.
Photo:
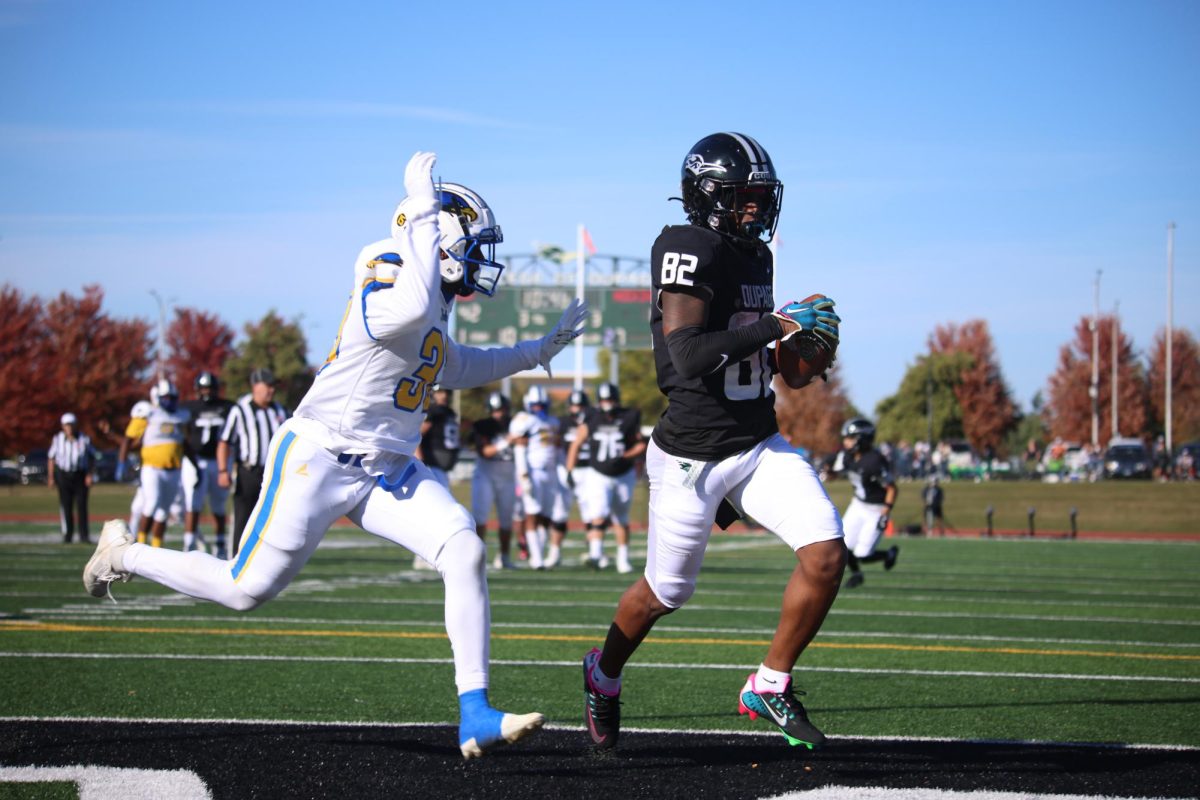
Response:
column 718, row 446
column 613, row 433
column 200, row 484
column 570, row 481
column 867, row 515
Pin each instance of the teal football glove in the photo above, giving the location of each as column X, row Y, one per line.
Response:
column 814, row 315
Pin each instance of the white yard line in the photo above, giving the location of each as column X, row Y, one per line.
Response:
column 575, row 665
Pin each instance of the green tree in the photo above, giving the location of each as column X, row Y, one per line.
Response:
column 904, row 414
column 638, row 381
column 278, row 345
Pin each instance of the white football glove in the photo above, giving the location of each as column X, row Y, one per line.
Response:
column 570, row 326
column 418, row 181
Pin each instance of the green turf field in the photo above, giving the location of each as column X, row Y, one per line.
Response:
column 998, row 639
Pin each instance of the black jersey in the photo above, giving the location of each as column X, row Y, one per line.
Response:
column 713, row 416
column 610, row 434
column 567, row 424
column 208, row 420
column 869, row 472
column 489, row 431
column 440, row 444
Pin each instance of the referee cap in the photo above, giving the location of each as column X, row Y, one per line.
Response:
column 68, row 419
column 262, row 375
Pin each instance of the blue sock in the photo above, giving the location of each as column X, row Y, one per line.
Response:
column 477, row 719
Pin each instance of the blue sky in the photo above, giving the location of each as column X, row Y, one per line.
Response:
column 943, row 160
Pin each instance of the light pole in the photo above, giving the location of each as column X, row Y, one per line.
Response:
column 1094, row 388
column 161, row 349
column 1115, row 427
column 1170, row 314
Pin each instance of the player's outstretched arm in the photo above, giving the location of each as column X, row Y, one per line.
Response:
column 467, row 367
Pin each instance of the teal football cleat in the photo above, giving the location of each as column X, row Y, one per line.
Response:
column 783, row 709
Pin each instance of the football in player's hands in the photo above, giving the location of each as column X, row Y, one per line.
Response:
column 803, row 356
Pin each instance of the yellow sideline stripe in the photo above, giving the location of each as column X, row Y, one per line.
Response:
column 59, row 627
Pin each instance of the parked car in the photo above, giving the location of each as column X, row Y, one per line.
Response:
column 32, row 466
column 10, row 471
column 1128, row 458
column 105, row 468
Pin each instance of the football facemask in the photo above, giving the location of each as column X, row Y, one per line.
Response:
column 469, row 235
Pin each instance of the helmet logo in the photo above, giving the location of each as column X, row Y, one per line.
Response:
column 696, row 165
column 401, row 218
column 469, row 213
column 761, row 176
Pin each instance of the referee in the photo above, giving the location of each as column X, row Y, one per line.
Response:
column 70, row 464
column 251, row 425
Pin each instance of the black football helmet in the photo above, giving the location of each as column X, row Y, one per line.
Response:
column 206, row 385
column 608, row 393
column 723, row 174
column 861, row 430
column 578, row 398
column 498, row 402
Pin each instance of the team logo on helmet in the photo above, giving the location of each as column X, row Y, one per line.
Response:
column 696, row 165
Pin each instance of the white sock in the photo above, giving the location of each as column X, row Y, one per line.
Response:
column 553, row 553
column 189, row 541
column 623, row 553
column 595, row 548
column 610, row 686
column 771, row 680
column 463, row 565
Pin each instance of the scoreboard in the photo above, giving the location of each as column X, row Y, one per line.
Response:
column 618, row 316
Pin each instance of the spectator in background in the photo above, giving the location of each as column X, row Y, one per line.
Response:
column 933, row 497
column 69, row 470
column 250, row 426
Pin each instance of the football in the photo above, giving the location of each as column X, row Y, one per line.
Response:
column 803, row 357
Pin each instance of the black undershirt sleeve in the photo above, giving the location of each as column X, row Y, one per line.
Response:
column 695, row 352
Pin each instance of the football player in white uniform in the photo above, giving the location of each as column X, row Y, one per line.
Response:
column 536, row 453
column 349, row 449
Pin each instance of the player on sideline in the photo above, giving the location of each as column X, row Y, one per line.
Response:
column 495, row 480
column 613, row 434
column 200, row 485
column 161, row 437
column 536, row 453
column 867, row 516
column 718, row 445
column 349, row 448
column 568, row 480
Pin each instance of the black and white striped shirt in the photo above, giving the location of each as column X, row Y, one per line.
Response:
column 71, row 454
column 251, row 428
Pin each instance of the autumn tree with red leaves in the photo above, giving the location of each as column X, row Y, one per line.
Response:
column 1185, row 385
column 66, row 355
column 99, row 364
column 812, row 417
column 26, row 399
column 987, row 410
column 197, row 342
column 1069, row 407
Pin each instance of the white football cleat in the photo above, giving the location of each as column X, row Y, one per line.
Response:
column 512, row 728
column 624, row 567
column 107, row 564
